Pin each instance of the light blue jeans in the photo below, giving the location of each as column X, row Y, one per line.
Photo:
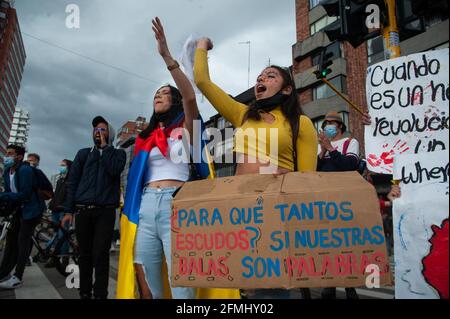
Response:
column 153, row 238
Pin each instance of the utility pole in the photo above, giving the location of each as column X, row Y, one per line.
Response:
column 391, row 33
column 249, row 60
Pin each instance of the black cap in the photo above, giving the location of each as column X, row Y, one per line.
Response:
column 98, row 120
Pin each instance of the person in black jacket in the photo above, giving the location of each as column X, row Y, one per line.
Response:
column 93, row 194
column 57, row 205
column 21, row 188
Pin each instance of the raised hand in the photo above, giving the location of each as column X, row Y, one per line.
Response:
column 104, row 143
column 205, row 43
column 367, row 119
column 325, row 143
column 160, row 36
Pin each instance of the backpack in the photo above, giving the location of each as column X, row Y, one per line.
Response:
column 43, row 186
column 362, row 165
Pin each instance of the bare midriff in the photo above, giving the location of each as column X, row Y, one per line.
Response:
column 165, row 184
column 249, row 165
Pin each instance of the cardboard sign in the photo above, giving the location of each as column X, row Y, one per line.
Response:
column 260, row 231
column 408, row 100
column 421, row 226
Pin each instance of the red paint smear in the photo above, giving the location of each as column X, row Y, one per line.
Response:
column 387, row 158
column 418, row 94
column 373, row 160
column 406, row 150
column 436, row 263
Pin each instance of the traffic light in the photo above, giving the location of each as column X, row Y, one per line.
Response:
column 409, row 23
column 352, row 23
column 428, row 9
column 334, row 8
column 325, row 61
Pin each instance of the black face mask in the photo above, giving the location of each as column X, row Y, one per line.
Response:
column 168, row 117
column 271, row 103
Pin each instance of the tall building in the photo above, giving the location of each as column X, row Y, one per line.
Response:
column 126, row 138
column 130, row 129
column 20, row 127
column 417, row 34
column 12, row 62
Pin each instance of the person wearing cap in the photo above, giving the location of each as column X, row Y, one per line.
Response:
column 92, row 197
column 336, row 152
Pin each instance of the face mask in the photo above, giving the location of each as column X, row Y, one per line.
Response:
column 271, row 103
column 168, row 117
column 63, row 170
column 8, row 161
column 330, row 131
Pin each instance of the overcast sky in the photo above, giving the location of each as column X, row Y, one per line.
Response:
column 63, row 91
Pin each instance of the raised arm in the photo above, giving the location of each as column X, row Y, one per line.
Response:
column 228, row 107
column 182, row 82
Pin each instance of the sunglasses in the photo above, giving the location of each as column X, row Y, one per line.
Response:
column 100, row 130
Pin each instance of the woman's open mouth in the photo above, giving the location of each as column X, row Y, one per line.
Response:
column 261, row 88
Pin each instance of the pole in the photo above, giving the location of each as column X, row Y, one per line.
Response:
column 391, row 33
column 353, row 105
column 249, row 60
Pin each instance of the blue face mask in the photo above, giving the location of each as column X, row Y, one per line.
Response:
column 63, row 170
column 8, row 161
column 330, row 131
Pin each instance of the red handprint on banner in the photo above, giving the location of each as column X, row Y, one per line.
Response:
column 387, row 158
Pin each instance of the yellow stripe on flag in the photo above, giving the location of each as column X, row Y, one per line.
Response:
column 126, row 286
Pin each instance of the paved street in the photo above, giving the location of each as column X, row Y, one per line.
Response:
column 43, row 283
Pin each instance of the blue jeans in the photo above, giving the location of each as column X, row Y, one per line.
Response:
column 154, row 238
column 64, row 250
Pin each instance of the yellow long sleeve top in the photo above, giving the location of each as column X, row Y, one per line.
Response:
column 266, row 142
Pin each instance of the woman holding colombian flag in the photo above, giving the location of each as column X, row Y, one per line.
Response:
column 153, row 179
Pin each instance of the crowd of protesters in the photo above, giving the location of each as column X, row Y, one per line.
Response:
column 88, row 191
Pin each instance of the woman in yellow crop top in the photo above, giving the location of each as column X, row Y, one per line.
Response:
column 273, row 119
column 276, row 112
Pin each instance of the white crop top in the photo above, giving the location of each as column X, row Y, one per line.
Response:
column 174, row 167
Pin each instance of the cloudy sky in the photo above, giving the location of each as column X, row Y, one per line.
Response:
column 64, row 91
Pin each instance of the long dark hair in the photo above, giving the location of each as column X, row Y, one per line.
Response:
column 290, row 108
column 175, row 110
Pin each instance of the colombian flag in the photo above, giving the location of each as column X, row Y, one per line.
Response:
column 126, row 286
